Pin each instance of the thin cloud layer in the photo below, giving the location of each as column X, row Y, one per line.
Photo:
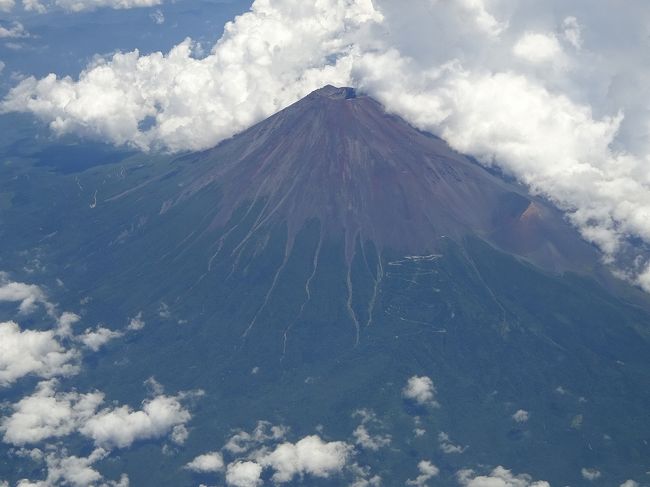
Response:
column 75, row 6
column 544, row 100
column 83, row 5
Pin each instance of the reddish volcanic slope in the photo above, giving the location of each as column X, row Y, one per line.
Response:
column 363, row 173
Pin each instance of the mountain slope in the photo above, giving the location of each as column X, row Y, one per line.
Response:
column 362, row 173
column 310, row 266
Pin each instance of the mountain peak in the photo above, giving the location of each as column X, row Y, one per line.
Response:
column 365, row 174
column 335, row 93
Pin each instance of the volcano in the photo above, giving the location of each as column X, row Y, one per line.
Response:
column 341, row 160
column 308, row 267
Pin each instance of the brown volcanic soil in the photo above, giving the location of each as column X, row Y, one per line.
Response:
column 363, row 173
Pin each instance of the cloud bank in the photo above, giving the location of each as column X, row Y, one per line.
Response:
column 549, row 96
column 49, row 413
column 267, row 59
column 83, row 5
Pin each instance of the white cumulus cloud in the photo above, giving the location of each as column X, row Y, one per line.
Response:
column 499, row 477
column 34, row 6
column 264, row 432
column 28, row 296
column 364, row 437
column 74, row 471
column 421, row 391
column 446, row 446
column 521, row 416
column 120, row 427
column 265, row 449
column 308, row 456
column 208, row 462
column 244, row 474
column 16, row 30
column 267, row 59
column 30, row 352
column 590, row 473
column 136, row 323
column 427, row 471
column 65, row 323
column 48, row 414
column 98, row 337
